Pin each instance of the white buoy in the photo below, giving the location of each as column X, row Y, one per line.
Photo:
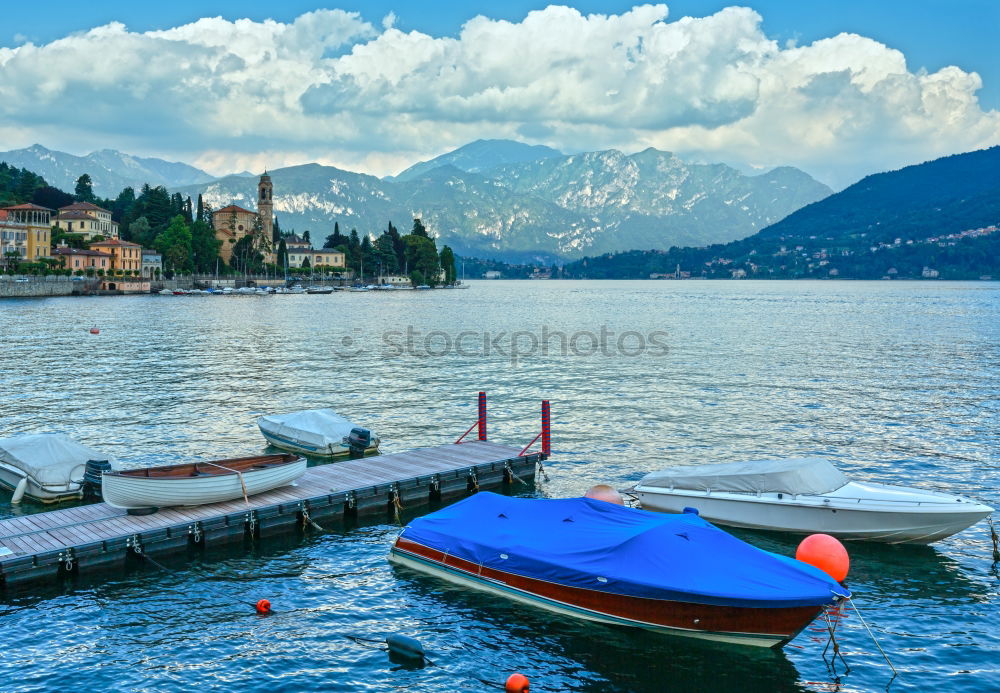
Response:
column 19, row 490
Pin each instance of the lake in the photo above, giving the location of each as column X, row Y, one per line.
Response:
column 897, row 382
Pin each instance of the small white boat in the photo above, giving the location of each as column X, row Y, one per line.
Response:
column 317, row 432
column 807, row 496
column 45, row 467
column 424, row 287
column 199, row 483
column 319, row 290
column 359, row 289
column 165, row 292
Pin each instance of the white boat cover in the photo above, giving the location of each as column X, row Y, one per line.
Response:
column 804, row 475
column 49, row 458
column 321, row 428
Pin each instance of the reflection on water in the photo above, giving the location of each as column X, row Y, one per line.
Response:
column 897, row 382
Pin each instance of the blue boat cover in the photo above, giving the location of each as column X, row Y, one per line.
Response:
column 581, row 542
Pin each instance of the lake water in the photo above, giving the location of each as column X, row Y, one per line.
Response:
column 897, row 382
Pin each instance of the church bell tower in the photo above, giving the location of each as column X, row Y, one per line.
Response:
column 265, row 207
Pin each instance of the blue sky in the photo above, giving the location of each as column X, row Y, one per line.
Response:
column 399, row 82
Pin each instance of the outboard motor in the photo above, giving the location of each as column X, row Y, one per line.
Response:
column 359, row 440
column 91, row 486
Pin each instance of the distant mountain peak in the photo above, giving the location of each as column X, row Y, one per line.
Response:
column 481, row 155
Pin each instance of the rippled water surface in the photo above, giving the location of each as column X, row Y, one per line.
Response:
column 898, row 382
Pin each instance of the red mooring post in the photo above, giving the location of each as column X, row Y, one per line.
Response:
column 546, row 429
column 482, row 416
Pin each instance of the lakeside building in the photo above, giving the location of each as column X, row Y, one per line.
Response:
column 152, row 264
column 26, row 230
column 233, row 223
column 124, row 259
column 78, row 260
column 326, row 257
column 88, row 220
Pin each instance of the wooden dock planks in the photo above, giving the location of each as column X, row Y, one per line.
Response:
column 43, row 544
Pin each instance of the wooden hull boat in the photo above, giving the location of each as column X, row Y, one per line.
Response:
column 808, row 496
column 199, row 483
column 622, row 566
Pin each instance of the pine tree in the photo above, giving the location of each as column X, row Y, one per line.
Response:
column 418, row 228
column 200, row 216
column 84, row 190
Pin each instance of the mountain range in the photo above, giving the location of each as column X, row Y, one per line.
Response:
column 490, row 198
column 939, row 219
column 110, row 170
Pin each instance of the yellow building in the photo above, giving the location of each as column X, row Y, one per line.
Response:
column 232, row 223
column 87, row 220
column 317, row 258
column 29, row 228
column 124, row 258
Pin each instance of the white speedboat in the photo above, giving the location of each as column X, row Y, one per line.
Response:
column 319, row 290
column 807, row 496
column 199, row 483
column 317, row 432
column 45, row 467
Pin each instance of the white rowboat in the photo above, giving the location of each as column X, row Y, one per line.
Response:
column 199, row 483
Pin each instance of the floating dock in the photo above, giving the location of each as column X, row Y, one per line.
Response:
column 48, row 546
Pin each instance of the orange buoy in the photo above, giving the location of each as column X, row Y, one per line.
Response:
column 94, row 330
column 604, row 492
column 263, row 607
column 826, row 553
column 517, row 683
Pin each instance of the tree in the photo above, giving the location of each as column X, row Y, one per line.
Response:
column 246, row 258
column 84, row 189
column 305, row 237
column 368, row 256
column 121, row 209
column 417, row 278
column 421, row 255
column 139, row 231
column 200, row 213
column 306, row 264
column 204, row 247
column 174, row 243
column 275, row 232
column 50, row 197
column 448, row 265
column 282, row 254
column 335, row 239
column 385, row 254
column 418, row 228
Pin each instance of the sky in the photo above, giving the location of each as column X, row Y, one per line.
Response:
column 839, row 89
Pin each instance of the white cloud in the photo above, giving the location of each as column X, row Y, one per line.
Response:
column 331, row 87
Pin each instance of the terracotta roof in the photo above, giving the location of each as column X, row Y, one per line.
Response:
column 232, row 208
column 84, row 206
column 76, row 251
column 73, row 215
column 115, row 242
column 30, row 207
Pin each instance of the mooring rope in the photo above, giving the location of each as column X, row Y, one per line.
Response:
column 996, row 540
column 874, row 639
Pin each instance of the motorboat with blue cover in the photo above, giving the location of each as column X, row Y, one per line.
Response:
column 603, row 562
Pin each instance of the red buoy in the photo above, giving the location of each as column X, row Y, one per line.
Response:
column 94, row 330
column 517, row 683
column 826, row 553
column 605, row 493
column 263, row 607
